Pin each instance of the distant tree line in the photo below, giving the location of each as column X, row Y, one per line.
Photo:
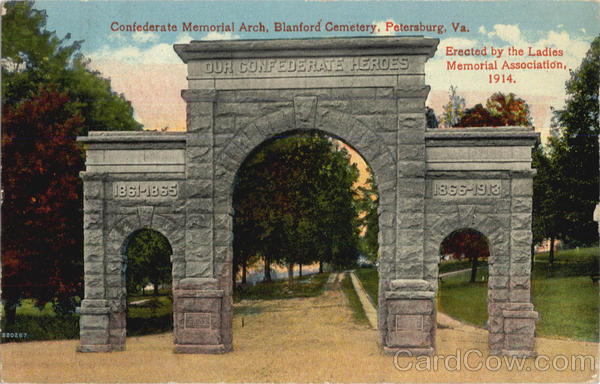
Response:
column 295, row 203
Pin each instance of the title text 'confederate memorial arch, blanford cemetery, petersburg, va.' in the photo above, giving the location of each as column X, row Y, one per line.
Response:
column 368, row 92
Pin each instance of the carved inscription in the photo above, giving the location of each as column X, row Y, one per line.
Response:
column 145, row 189
column 409, row 323
column 197, row 320
column 466, row 188
column 283, row 67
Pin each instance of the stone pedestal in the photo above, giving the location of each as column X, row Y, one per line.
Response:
column 197, row 317
column 94, row 321
column 410, row 318
column 519, row 329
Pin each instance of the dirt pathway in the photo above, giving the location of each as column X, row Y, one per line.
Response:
column 295, row 340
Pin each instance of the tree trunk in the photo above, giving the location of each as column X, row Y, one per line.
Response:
column 473, row 268
column 11, row 312
column 267, row 270
column 244, row 272
column 155, row 289
column 300, row 270
column 291, row 274
column 320, row 266
column 551, row 259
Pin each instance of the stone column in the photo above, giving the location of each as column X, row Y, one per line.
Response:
column 198, row 298
column 409, row 299
column 94, row 321
column 518, row 313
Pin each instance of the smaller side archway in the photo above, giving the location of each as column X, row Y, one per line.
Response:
column 463, row 276
column 143, row 240
column 465, row 244
column 147, row 260
column 103, row 319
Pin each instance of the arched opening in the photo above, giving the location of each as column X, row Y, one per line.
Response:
column 147, row 279
column 305, row 204
column 463, row 276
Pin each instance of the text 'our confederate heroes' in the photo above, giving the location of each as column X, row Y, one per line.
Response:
column 320, row 26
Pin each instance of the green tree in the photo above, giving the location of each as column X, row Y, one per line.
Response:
column 548, row 197
column 368, row 206
column 40, row 178
column 576, row 149
column 32, row 56
column 148, row 260
column 454, row 110
column 294, row 202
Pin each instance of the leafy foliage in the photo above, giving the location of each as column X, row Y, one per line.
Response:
column 500, row 110
column 148, row 260
column 41, row 245
column 294, row 203
column 368, row 205
column 34, row 56
column 454, row 110
column 49, row 96
column 466, row 244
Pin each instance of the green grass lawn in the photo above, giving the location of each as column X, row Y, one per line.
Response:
column 464, row 300
column 568, row 307
column 369, row 277
column 457, row 265
column 153, row 316
column 564, row 295
column 307, row 286
column 358, row 312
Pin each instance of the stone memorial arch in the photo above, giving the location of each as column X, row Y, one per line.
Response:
column 368, row 92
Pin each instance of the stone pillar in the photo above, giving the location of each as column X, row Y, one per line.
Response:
column 409, row 300
column 199, row 183
column 94, row 321
column 518, row 313
column 199, row 299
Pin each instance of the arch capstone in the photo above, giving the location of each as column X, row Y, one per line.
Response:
column 371, row 94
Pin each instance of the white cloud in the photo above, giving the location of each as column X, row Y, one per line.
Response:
column 456, row 42
column 145, row 37
column 482, row 30
column 508, row 33
column 117, row 37
column 158, row 53
column 183, row 38
column 220, row 36
column 380, row 30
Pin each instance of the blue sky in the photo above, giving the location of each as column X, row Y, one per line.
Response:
column 90, row 20
column 144, row 68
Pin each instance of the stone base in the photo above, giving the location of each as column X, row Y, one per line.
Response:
column 409, row 351
column 96, row 348
column 208, row 349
